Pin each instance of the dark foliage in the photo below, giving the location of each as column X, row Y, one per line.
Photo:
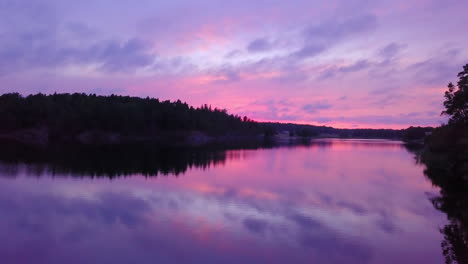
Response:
column 68, row 115
column 456, row 99
column 446, row 159
column 416, row 133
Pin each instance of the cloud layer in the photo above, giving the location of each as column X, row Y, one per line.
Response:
column 388, row 59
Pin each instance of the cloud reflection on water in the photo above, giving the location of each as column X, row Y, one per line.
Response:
column 344, row 202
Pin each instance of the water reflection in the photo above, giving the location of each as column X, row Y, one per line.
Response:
column 449, row 171
column 332, row 201
column 107, row 160
column 128, row 159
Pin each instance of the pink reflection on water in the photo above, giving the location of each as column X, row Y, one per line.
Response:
column 334, row 201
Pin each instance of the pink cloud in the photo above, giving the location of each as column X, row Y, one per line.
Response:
column 309, row 55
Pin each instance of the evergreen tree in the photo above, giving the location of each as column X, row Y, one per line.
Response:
column 456, row 99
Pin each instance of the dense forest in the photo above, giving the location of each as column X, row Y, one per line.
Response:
column 93, row 118
column 70, row 113
column 72, row 116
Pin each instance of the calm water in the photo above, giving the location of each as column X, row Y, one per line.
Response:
column 334, row 201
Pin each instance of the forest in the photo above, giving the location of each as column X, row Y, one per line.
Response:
column 69, row 116
column 95, row 118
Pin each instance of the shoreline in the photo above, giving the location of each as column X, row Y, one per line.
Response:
column 185, row 139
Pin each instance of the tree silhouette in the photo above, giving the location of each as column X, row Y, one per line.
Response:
column 456, row 99
column 446, row 159
column 72, row 115
column 94, row 118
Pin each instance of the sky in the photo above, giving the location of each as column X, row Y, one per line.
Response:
column 341, row 63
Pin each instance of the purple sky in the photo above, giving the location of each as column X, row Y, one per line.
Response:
column 343, row 63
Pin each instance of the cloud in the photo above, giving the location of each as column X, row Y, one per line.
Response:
column 272, row 110
column 332, row 31
column 438, row 69
column 80, row 30
column 414, row 118
column 225, row 74
column 318, row 38
column 40, row 39
column 355, row 67
column 309, row 50
column 359, row 65
column 255, row 225
column 259, row 45
column 114, row 56
column 391, row 50
column 316, row 107
column 233, row 54
column 356, row 208
column 229, row 53
column 305, row 222
column 44, row 49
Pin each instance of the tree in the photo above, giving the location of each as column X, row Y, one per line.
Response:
column 456, row 99
column 415, row 133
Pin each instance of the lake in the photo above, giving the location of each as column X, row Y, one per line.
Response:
column 329, row 201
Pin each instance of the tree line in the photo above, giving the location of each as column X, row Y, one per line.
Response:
column 71, row 114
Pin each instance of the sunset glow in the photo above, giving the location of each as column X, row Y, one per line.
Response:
column 355, row 64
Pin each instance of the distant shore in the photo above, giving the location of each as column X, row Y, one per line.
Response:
column 41, row 137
